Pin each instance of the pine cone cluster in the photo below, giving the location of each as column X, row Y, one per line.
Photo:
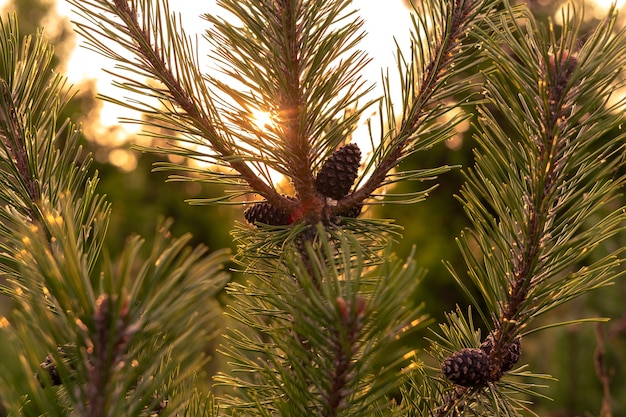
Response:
column 338, row 172
column 512, row 355
column 266, row 213
column 468, row 367
column 334, row 180
column 472, row 367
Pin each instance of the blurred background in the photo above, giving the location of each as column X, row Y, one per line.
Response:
column 140, row 197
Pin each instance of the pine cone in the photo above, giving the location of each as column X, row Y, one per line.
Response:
column 266, row 213
column 352, row 212
column 560, row 71
column 512, row 355
column 468, row 367
column 338, row 172
column 49, row 366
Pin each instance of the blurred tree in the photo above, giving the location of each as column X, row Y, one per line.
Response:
column 35, row 15
column 142, row 197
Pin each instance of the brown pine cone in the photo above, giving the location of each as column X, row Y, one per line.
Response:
column 266, row 213
column 512, row 355
column 338, row 172
column 468, row 367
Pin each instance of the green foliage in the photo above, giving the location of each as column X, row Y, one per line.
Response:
column 113, row 337
column 544, row 217
column 541, row 197
column 321, row 324
column 35, row 171
column 260, row 64
column 33, row 15
column 321, row 335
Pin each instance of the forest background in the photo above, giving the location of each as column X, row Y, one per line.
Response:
column 141, row 197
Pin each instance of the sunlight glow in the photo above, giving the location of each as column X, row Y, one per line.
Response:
column 123, row 159
column 596, row 9
column 262, row 119
column 606, row 4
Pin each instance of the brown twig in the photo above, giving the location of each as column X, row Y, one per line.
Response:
column 13, row 139
column 555, row 76
column 602, row 372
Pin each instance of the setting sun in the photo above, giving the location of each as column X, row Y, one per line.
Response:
column 262, row 119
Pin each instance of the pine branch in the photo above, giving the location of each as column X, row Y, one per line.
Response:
column 27, row 109
column 540, row 195
column 296, row 369
column 164, row 53
column 14, row 144
column 301, row 81
column 112, row 341
column 146, row 330
column 551, row 201
column 40, row 162
column 439, row 52
column 302, row 65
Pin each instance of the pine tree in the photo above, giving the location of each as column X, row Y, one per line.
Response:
column 320, row 324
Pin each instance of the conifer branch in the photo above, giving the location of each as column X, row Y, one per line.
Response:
column 14, row 143
column 298, row 369
column 345, row 345
column 106, row 351
column 309, row 83
column 32, row 161
column 302, row 85
column 559, row 92
column 422, row 105
column 113, row 338
column 537, row 187
column 161, row 68
column 291, row 101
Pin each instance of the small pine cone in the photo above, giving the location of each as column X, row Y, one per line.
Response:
column 468, row 367
column 266, row 213
column 512, row 355
column 352, row 212
column 49, row 366
column 338, row 172
column 560, row 70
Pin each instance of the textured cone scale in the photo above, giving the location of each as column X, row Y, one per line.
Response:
column 266, row 213
column 338, row 172
column 352, row 212
column 468, row 367
column 512, row 355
